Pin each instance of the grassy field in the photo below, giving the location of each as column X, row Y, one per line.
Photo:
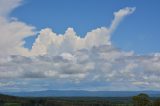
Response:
column 12, row 104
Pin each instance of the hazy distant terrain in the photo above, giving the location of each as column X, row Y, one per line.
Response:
column 81, row 93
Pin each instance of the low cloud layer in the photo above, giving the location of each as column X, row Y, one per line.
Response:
column 103, row 64
column 69, row 59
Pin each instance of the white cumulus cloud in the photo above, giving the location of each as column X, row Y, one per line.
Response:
column 48, row 42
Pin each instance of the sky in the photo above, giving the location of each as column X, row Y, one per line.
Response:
column 79, row 45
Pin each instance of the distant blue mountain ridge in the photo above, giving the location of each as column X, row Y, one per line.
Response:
column 82, row 93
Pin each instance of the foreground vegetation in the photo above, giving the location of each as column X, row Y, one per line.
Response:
column 139, row 100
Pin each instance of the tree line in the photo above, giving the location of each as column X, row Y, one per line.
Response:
column 138, row 100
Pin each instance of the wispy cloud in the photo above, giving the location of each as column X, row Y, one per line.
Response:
column 12, row 31
column 119, row 15
column 6, row 6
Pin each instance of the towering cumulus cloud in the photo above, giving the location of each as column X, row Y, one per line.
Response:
column 51, row 43
column 57, row 59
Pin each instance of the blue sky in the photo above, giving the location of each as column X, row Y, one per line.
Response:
column 79, row 45
column 139, row 32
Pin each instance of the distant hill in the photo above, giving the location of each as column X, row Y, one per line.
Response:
column 81, row 93
column 6, row 96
